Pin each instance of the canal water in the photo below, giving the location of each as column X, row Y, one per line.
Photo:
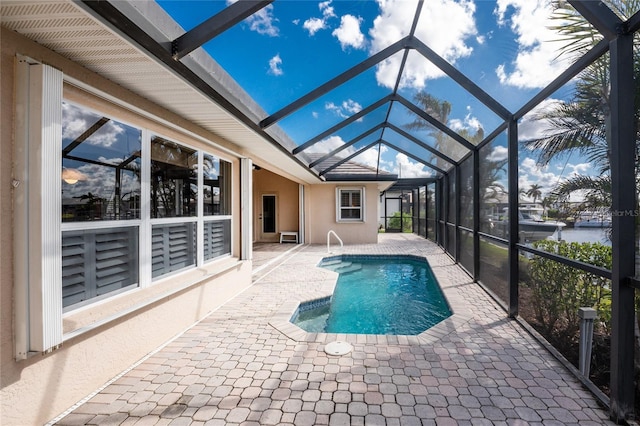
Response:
column 585, row 235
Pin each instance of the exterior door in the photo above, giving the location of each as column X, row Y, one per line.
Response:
column 268, row 218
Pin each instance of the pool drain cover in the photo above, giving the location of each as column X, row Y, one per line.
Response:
column 338, row 348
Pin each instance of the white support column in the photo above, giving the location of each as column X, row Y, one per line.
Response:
column 37, row 203
column 246, row 206
column 301, row 214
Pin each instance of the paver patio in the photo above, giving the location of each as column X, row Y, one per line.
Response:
column 234, row 367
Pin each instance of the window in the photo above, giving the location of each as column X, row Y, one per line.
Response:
column 100, row 180
column 217, row 207
column 350, row 203
column 174, row 179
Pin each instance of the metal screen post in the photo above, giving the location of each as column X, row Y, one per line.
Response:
column 587, row 316
column 476, row 214
column 621, row 135
column 514, row 273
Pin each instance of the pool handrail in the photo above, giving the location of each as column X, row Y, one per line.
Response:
column 331, row 231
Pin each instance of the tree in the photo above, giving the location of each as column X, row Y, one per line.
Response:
column 534, row 192
column 440, row 110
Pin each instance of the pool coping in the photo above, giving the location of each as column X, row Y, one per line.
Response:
column 459, row 308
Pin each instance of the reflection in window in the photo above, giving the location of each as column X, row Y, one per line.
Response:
column 174, row 179
column 350, row 204
column 217, row 186
column 100, row 167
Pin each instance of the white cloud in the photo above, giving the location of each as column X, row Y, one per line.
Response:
column 314, row 114
column 444, row 26
column 579, row 169
column 498, row 153
column 532, row 173
column 275, row 65
column 314, row 25
column 327, row 145
column 100, row 181
column 76, row 121
column 263, row 22
column 326, row 9
column 469, row 122
column 368, row 158
column 530, row 127
column 405, row 168
column 344, row 110
column 349, row 33
column 537, row 61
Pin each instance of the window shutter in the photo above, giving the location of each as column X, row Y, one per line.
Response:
column 97, row 262
column 217, row 238
column 37, row 159
column 172, row 247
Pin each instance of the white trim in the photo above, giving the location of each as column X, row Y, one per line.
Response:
column 301, row 214
column 177, row 219
column 363, row 204
column 144, row 244
column 214, row 218
column 200, row 211
column 246, row 209
column 99, row 224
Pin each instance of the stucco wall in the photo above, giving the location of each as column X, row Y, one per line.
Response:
column 322, row 215
column 35, row 390
column 287, row 199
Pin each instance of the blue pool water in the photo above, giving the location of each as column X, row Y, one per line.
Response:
column 377, row 295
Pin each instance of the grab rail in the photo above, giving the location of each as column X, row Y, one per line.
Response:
column 331, row 231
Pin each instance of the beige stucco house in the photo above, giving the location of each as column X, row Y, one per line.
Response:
column 131, row 198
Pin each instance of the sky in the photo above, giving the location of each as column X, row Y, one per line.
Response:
column 288, row 48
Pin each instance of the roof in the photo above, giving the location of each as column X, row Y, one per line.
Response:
column 342, row 169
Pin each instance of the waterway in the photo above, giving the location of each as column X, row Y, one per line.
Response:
column 585, row 235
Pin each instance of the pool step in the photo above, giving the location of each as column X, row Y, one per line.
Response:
column 348, row 268
column 340, row 266
column 333, row 262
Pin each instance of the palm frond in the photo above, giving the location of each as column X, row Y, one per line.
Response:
column 596, row 189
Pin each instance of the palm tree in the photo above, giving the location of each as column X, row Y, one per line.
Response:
column 534, row 192
column 580, row 126
column 440, row 110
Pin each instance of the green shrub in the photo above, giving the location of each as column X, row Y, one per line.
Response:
column 559, row 290
column 407, row 222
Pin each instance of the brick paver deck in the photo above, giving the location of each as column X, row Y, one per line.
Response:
column 241, row 365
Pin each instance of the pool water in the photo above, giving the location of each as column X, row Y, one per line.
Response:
column 377, row 295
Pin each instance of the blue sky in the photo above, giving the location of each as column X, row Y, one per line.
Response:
column 292, row 46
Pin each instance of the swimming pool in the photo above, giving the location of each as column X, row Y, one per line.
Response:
column 376, row 295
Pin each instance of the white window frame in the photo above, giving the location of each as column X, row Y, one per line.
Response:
column 339, row 206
